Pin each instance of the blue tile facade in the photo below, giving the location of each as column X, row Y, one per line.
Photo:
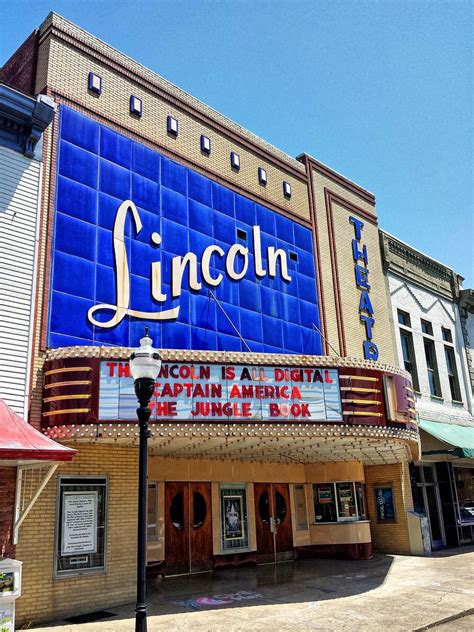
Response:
column 98, row 169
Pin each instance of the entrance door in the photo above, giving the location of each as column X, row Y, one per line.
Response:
column 188, row 528
column 428, row 498
column 273, row 522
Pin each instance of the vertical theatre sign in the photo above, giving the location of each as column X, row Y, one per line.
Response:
column 361, row 270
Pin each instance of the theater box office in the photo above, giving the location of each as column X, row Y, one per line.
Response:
column 278, row 412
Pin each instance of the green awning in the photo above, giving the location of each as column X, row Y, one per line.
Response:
column 460, row 437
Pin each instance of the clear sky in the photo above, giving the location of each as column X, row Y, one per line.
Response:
column 379, row 90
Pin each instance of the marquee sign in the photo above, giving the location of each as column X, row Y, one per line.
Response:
column 140, row 240
column 207, row 392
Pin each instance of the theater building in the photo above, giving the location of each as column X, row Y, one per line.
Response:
column 281, row 424
column 431, row 314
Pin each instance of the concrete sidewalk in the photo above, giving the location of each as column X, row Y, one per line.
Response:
column 385, row 593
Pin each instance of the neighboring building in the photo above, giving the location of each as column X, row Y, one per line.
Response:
column 425, row 298
column 28, row 459
column 466, row 307
column 23, row 120
column 282, row 426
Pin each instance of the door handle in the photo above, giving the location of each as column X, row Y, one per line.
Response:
column 272, row 525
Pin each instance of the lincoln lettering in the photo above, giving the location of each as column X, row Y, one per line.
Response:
column 236, row 266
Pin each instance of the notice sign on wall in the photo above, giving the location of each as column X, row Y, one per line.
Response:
column 79, row 527
column 215, row 392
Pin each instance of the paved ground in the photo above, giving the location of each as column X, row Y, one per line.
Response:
column 393, row 593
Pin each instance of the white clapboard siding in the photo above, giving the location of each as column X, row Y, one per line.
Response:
column 19, row 191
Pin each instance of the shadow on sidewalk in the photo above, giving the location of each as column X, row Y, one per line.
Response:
column 292, row 582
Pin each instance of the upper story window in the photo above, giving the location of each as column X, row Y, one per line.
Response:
column 426, row 327
column 408, row 351
column 404, row 318
column 451, row 365
column 432, row 367
column 447, row 334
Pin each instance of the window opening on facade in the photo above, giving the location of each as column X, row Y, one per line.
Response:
column 280, row 508
column 177, row 511
column 404, row 318
column 447, row 335
column 432, row 367
column 426, row 327
column 264, row 507
column 81, row 525
column 452, row 373
column 300, row 508
column 234, row 521
column 199, row 510
column 339, row 502
column 408, row 350
column 152, row 511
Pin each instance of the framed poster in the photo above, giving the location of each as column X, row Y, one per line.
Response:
column 384, row 503
column 325, row 494
column 233, row 517
column 345, row 492
column 7, row 582
column 79, row 522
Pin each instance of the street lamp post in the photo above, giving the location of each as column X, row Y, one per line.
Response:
column 145, row 365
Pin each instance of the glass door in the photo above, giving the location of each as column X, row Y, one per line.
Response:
column 428, row 501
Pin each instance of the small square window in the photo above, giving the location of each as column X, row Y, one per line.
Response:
column 404, row 318
column 241, row 234
column 95, row 83
column 135, row 105
column 293, row 255
column 205, row 144
column 447, row 335
column 172, row 125
column 426, row 327
column 234, row 160
column 262, row 176
column 286, row 189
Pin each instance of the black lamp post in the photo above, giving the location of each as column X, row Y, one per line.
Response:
column 145, row 365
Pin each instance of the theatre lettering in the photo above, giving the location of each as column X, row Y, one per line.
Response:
column 221, row 391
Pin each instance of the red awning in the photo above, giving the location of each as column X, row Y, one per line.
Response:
column 19, row 440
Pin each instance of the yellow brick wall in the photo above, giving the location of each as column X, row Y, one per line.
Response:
column 390, row 537
column 45, row 598
column 350, row 294
column 64, row 69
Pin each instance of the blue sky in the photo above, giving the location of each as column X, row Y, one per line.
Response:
column 379, row 90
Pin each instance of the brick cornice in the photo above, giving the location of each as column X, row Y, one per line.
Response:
column 59, row 28
column 338, row 178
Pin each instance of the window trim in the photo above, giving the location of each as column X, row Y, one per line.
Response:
column 102, row 570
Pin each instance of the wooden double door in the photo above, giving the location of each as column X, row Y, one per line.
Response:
column 188, row 527
column 273, row 522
